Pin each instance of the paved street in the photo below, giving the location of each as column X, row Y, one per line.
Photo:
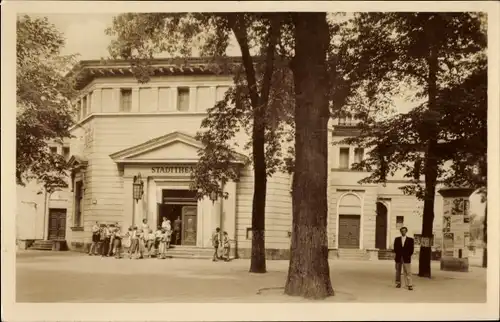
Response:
column 74, row 277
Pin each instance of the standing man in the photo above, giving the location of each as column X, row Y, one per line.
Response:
column 177, row 230
column 216, row 243
column 403, row 249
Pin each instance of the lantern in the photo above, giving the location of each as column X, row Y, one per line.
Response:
column 213, row 196
column 138, row 187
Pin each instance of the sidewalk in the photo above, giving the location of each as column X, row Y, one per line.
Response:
column 70, row 277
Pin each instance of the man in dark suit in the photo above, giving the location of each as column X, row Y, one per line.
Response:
column 403, row 249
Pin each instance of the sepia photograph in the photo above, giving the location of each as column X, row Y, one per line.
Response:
column 250, row 156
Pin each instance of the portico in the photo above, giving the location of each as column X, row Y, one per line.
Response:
column 165, row 164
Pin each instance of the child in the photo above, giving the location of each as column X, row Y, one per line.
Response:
column 126, row 240
column 227, row 247
column 117, row 243
column 151, row 243
column 163, row 244
column 141, row 240
column 134, row 242
column 157, row 241
column 106, row 235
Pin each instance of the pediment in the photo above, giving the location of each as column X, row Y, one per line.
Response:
column 174, row 147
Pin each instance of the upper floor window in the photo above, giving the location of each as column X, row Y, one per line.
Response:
column 84, row 106
column 358, row 154
column 53, row 149
column 344, row 158
column 183, row 99
column 65, row 152
column 125, row 100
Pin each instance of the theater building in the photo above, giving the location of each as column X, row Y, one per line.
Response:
column 126, row 129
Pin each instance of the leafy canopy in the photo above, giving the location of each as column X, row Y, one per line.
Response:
column 44, row 109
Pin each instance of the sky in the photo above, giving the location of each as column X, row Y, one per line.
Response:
column 85, row 36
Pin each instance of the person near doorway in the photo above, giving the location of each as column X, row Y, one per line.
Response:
column 151, row 243
column 177, row 231
column 162, row 251
column 117, row 243
column 227, row 247
column 403, row 249
column 106, row 241
column 142, row 238
column 112, row 232
column 216, row 244
column 145, row 225
column 127, row 240
column 134, row 242
column 166, row 224
column 158, row 235
column 96, row 237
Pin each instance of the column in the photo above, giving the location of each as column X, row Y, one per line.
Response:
column 128, row 202
column 456, row 229
column 135, row 100
column 97, row 101
column 351, row 156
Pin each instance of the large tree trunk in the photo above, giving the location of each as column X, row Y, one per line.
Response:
column 485, row 237
column 431, row 166
column 309, row 273
column 258, row 259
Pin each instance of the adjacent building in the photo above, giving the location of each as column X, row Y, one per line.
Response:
column 125, row 129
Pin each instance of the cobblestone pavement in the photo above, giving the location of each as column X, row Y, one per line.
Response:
column 78, row 278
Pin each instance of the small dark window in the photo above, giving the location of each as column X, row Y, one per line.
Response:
column 53, row 149
column 65, row 151
column 344, row 158
column 400, row 221
column 125, row 100
column 183, row 99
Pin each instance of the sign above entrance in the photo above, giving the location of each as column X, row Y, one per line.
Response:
column 172, row 169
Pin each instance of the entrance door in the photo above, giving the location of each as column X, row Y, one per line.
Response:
column 349, row 231
column 189, row 225
column 381, row 227
column 57, row 224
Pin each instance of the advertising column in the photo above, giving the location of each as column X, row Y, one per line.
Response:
column 456, row 229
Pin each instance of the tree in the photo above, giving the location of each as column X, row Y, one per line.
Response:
column 44, row 109
column 309, row 272
column 141, row 36
column 429, row 52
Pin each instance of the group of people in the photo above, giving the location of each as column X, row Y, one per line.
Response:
column 109, row 240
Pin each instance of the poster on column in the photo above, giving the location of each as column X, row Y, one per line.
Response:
column 448, row 244
column 457, row 208
column 458, row 240
column 446, row 224
column 447, row 207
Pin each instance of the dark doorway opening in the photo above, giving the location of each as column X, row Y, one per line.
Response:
column 381, row 227
column 57, row 224
column 180, row 207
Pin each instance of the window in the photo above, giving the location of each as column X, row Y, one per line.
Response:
column 78, row 203
column 53, row 149
column 358, row 155
column 183, row 99
column 344, row 158
column 84, row 106
column 125, row 100
column 65, row 151
column 399, row 221
column 203, row 99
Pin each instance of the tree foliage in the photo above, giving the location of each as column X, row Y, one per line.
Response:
column 44, row 109
column 432, row 53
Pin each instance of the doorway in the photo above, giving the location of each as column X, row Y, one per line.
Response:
column 349, row 230
column 57, row 224
column 381, row 227
column 180, row 207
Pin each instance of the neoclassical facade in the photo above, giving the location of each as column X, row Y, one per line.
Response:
column 125, row 128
